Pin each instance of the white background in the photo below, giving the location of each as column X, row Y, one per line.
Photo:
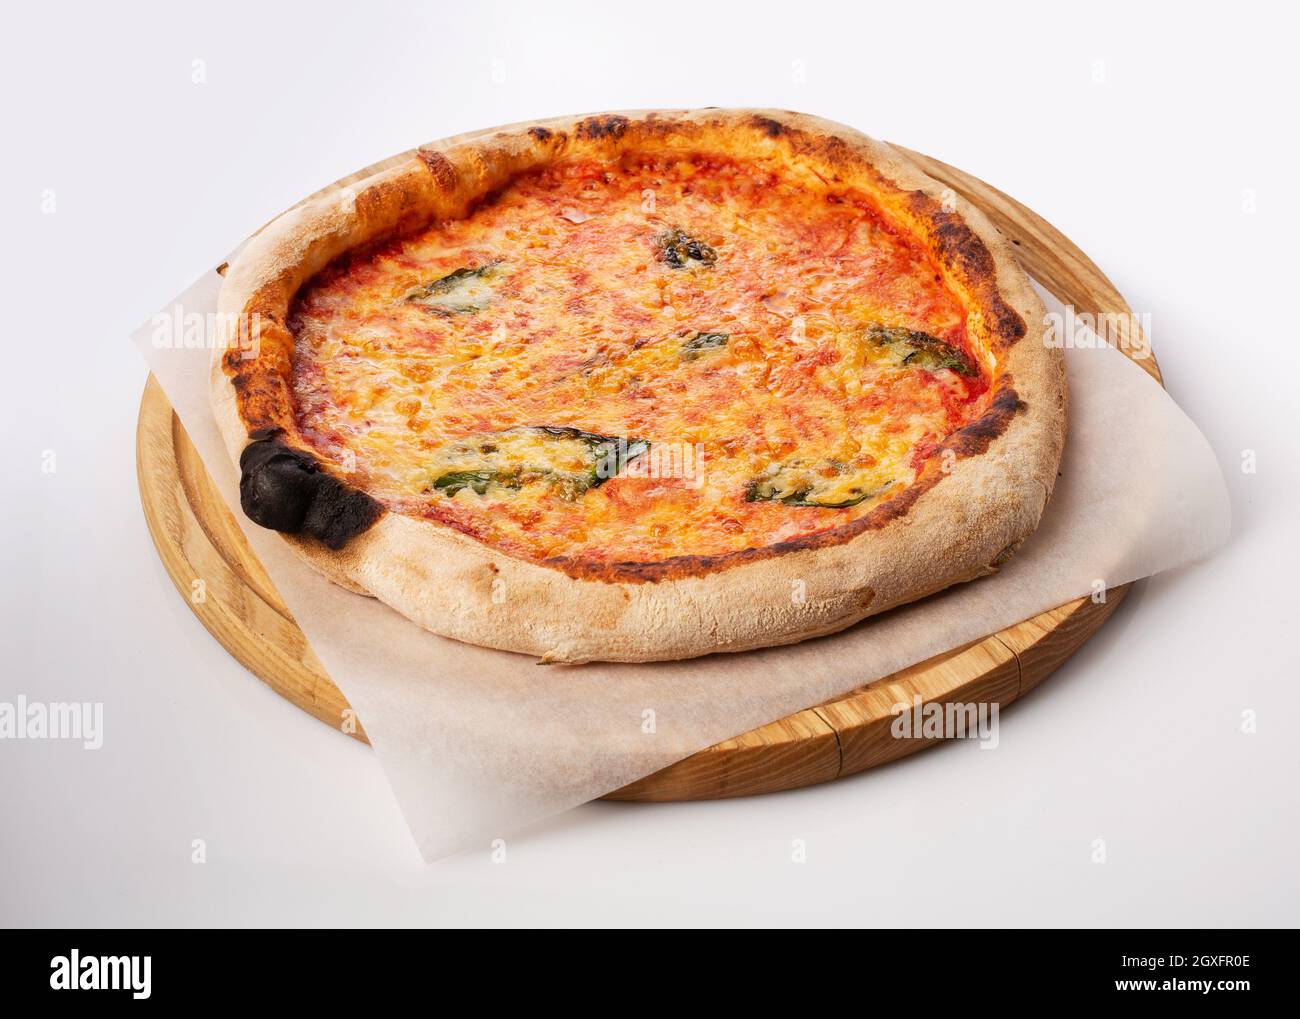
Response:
column 1162, row 142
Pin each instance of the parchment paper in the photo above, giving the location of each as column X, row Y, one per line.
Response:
column 477, row 743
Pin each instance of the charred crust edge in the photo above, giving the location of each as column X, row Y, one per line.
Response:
column 963, row 249
column 284, row 489
column 976, row 437
column 608, row 125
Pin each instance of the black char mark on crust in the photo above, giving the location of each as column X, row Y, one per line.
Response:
column 609, row 125
column 771, row 128
column 962, row 248
column 976, row 437
column 972, row 440
column 285, row 490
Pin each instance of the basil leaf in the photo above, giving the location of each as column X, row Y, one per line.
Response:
column 703, row 342
column 914, row 349
column 680, row 250
column 568, row 461
column 462, row 292
column 795, row 485
column 453, row 481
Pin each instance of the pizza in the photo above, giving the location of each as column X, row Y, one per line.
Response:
column 642, row 386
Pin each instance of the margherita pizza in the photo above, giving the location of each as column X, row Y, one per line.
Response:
column 641, row 387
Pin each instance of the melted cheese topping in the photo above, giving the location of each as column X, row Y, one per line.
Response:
column 723, row 314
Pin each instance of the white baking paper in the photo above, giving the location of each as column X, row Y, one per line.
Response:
column 477, row 743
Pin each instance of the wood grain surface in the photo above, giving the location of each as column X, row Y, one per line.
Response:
column 199, row 541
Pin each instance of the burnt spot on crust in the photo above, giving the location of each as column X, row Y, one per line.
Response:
column 1007, row 324
column 959, row 245
column 444, row 174
column 553, row 140
column 285, row 490
column 771, row 128
column 962, row 248
column 976, row 437
column 832, row 151
column 608, row 125
column 262, row 397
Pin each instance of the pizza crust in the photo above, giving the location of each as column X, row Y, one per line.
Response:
column 956, row 525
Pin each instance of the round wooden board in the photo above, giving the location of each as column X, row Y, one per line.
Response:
column 197, row 537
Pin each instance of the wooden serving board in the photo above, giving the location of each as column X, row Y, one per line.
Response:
column 197, row 537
